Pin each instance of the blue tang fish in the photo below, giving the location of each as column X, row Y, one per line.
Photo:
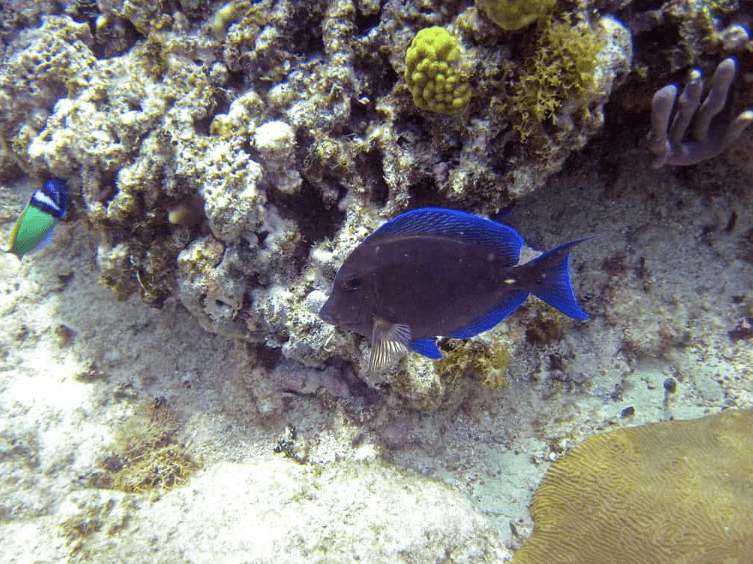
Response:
column 33, row 229
column 432, row 272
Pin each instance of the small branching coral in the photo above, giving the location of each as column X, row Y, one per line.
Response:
column 668, row 143
column 561, row 68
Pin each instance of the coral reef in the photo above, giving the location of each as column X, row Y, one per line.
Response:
column 255, row 144
column 698, row 29
column 433, row 72
column 679, row 490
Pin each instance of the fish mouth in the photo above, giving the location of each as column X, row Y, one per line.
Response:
column 325, row 316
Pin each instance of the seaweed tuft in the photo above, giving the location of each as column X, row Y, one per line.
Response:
column 148, row 455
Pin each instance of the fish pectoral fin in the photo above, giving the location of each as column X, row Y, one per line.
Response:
column 388, row 341
column 384, row 353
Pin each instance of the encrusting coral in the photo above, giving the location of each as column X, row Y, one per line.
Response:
column 668, row 142
column 678, row 491
column 512, row 15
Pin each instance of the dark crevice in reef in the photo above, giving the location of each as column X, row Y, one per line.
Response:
column 361, row 115
column 236, row 82
column 376, row 74
column 305, row 30
column 364, row 23
column 220, row 104
column 268, row 357
column 370, row 167
column 624, row 133
column 317, row 222
column 650, row 45
column 424, row 194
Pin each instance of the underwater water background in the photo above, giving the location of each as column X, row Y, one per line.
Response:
column 167, row 389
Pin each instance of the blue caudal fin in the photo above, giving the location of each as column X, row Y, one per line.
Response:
column 426, row 347
column 553, row 280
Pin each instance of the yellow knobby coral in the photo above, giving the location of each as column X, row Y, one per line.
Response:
column 512, row 15
column 678, row 491
column 433, row 72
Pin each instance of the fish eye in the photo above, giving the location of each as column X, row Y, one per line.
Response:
column 353, row 283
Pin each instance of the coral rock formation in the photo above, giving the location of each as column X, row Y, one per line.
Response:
column 229, row 156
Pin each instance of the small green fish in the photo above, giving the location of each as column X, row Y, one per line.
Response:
column 432, row 272
column 34, row 227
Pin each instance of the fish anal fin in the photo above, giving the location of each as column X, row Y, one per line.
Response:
column 426, row 347
column 490, row 319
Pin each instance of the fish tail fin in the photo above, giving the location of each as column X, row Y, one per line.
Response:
column 552, row 280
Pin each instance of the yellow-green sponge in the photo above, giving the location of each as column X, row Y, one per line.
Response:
column 433, row 73
column 512, row 15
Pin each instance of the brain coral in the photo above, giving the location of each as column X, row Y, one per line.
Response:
column 679, row 491
column 433, row 75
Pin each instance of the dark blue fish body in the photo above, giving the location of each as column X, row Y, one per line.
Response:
column 436, row 272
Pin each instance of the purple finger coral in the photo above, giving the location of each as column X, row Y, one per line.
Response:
column 669, row 142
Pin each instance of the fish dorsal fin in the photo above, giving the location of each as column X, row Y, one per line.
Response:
column 388, row 341
column 457, row 225
column 490, row 319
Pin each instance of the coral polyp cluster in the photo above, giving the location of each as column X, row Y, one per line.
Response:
column 433, row 72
